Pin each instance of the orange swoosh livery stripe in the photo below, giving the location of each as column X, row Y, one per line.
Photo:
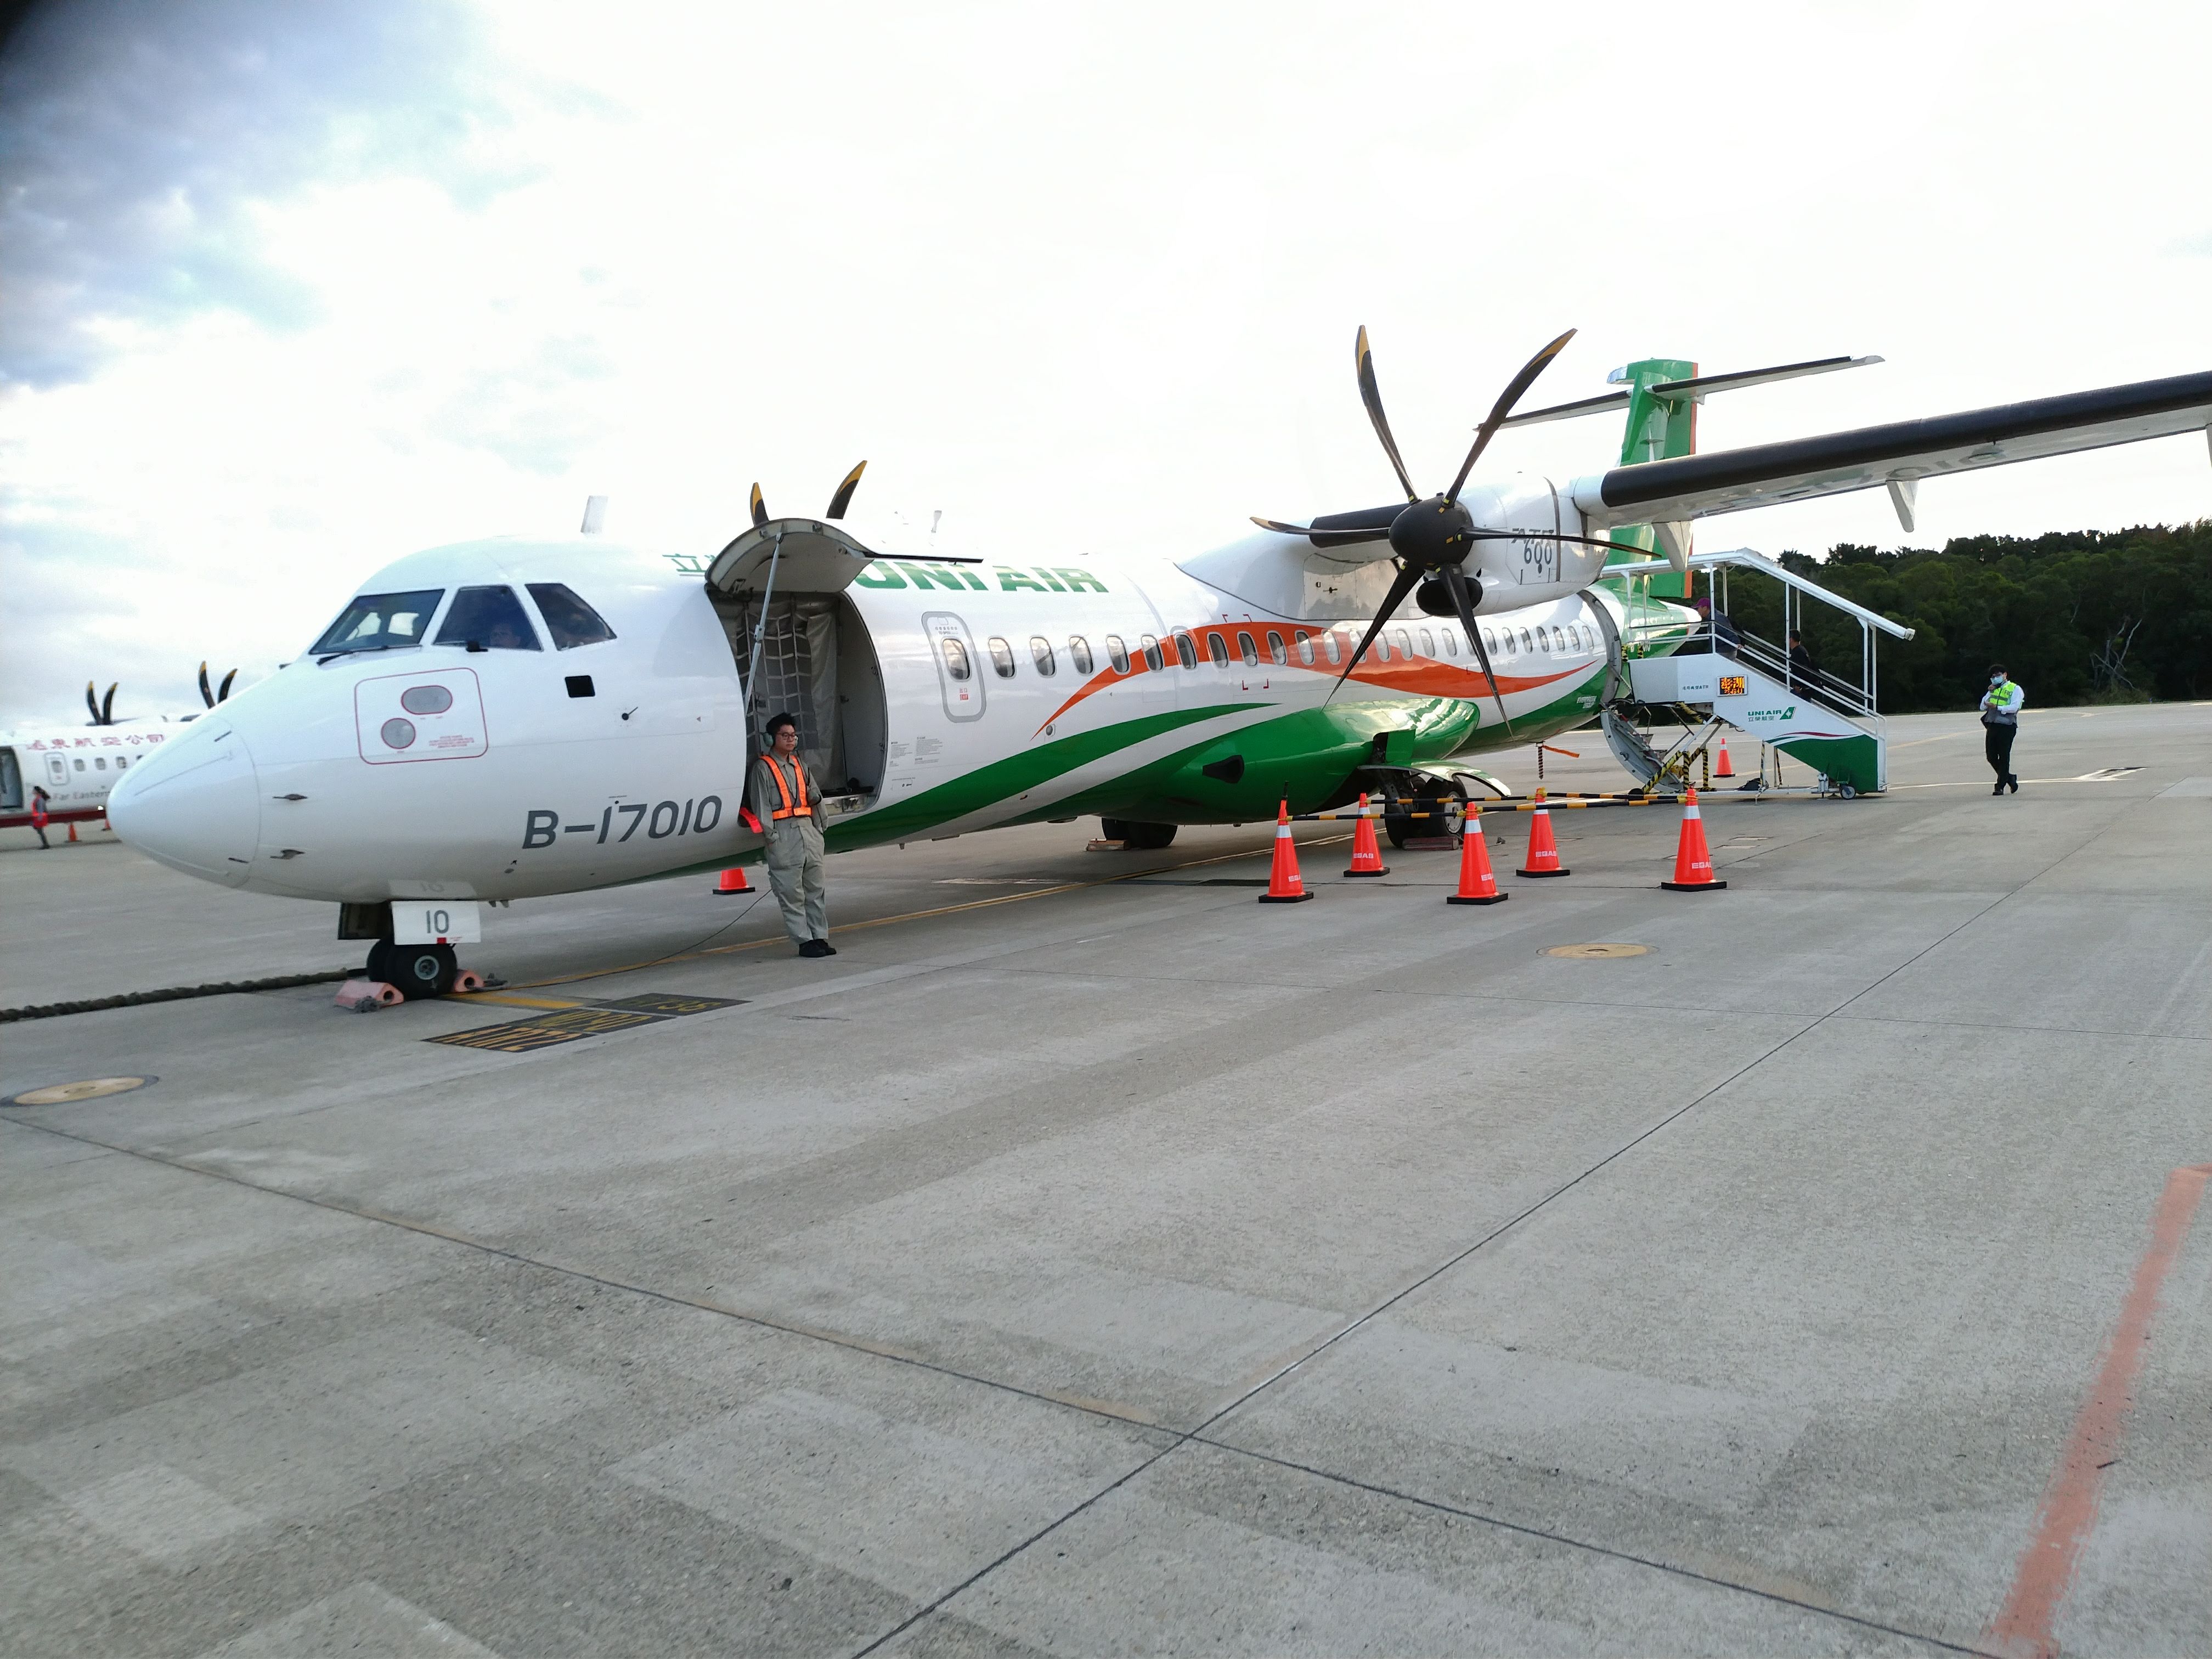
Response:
column 1421, row 677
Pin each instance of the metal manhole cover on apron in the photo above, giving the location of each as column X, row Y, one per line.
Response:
column 92, row 1088
column 1598, row 951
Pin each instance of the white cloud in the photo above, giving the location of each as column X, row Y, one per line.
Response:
column 1084, row 277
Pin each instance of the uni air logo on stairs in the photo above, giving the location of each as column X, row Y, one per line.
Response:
column 1788, row 714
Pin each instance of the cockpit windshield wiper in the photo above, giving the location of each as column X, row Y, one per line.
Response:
column 330, row 657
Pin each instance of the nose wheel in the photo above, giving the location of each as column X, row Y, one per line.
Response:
column 416, row 971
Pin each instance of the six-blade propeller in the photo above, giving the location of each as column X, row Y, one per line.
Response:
column 1430, row 536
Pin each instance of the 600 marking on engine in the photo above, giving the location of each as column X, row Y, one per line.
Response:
column 542, row 827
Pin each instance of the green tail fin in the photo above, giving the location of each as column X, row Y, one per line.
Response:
column 1659, row 429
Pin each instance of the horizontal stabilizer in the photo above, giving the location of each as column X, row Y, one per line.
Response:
column 1597, row 405
column 1696, row 390
column 1737, row 480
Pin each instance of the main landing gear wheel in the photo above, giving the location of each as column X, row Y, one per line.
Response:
column 415, row 971
column 1434, row 800
column 1137, row 837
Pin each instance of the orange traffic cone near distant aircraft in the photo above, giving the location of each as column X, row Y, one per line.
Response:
column 1721, row 768
column 1693, row 864
column 1543, row 851
column 1477, row 884
column 1367, row 856
column 72, row 829
column 1284, row 884
column 734, row 882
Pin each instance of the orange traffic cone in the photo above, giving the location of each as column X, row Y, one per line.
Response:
column 1367, row 856
column 72, row 829
column 1543, row 851
column 1284, row 884
column 732, row 883
column 1477, row 884
column 1721, row 768
column 1693, row 864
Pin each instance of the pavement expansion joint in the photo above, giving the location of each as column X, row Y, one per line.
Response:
column 1810, row 1600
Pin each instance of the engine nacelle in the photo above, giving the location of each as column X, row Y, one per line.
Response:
column 1518, row 571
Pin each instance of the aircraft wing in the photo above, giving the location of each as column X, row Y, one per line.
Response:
column 1668, row 493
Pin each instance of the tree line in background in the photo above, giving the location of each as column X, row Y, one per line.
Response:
column 2076, row 617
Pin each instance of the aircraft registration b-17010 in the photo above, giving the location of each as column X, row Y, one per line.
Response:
column 519, row 717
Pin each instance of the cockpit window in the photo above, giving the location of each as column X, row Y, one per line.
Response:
column 490, row 618
column 567, row 618
column 378, row 622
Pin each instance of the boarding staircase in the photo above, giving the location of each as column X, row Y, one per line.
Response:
column 1829, row 724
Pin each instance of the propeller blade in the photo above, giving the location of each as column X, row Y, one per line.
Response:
column 92, row 701
column 107, row 705
column 760, row 507
column 843, row 498
column 1520, row 383
column 1379, row 535
column 207, row 696
column 1455, row 583
column 1408, row 577
column 222, row 691
column 1371, row 395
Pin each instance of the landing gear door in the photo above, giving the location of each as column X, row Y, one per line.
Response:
column 959, row 675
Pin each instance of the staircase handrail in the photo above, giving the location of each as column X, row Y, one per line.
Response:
column 1752, row 559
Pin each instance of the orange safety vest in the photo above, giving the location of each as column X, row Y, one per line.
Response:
column 801, row 809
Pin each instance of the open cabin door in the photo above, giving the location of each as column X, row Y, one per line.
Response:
column 782, row 585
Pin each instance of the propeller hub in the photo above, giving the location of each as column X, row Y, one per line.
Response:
column 1432, row 533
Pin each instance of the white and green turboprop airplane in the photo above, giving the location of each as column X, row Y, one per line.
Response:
column 514, row 717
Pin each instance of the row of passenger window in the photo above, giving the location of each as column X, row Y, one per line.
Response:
column 1335, row 644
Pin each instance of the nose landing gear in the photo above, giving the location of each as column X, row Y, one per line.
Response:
column 415, row 970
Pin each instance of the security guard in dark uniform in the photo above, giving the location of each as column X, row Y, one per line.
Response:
column 789, row 806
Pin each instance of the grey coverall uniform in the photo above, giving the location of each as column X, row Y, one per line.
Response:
column 794, row 849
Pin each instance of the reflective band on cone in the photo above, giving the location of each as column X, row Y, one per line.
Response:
column 1367, row 856
column 1283, row 884
column 1543, row 851
column 732, row 882
column 1693, row 864
column 1477, row 883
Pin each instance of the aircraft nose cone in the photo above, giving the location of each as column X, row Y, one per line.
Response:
column 195, row 807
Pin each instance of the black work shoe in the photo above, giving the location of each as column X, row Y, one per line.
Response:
column 2012, row 783
column 822, row 947
column 1999, row 790
column 812, row 948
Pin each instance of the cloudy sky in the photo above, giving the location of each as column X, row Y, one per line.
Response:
column 286, row 291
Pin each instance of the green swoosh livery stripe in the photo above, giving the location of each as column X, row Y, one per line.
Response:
column 1005, row 779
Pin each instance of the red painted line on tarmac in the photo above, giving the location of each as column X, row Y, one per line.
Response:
column 2024, row 1625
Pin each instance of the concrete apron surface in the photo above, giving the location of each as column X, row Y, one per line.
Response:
column 1137, row 1269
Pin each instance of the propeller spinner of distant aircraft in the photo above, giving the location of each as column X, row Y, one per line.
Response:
column 506, row 719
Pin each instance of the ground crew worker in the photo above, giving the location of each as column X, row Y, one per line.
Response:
column 788, row 804
column 2001, row 706
column 39, row 799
